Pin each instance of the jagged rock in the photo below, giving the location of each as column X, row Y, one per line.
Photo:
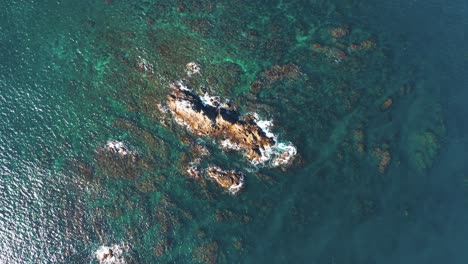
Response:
column 192, row 172
column 192, row 68
column 110, row 255
column 118, row 148
column 208, row 116
column 229, row 180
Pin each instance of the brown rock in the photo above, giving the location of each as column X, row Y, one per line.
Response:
column 208, row 117
column 193, row 173
column 229, row 180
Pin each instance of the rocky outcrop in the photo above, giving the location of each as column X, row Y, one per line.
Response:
column 232, row 181
column 110, row 255
column 207, row 116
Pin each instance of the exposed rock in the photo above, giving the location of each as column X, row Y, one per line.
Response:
column 193, row 172
column 229, row 180
column 110, row 255
column 192, row 68
column 118, row 148
column 207, row 116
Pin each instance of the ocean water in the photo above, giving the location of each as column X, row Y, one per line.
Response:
column 371, row 93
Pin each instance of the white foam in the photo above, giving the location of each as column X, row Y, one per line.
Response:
column 278, row 154
column 283, row 154
column 110, row 255
column 214, row 101
column 266, row 126
column 192, row 171
column 181, row 85
column 227, row 144
column 144, row 65
column 233, row 189
column 118, row 147
column 193, row 68
column 163, row 108
column 210, row 100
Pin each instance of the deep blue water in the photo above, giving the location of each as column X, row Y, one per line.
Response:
column 435, row 32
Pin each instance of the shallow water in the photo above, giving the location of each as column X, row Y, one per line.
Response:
column 75, row 76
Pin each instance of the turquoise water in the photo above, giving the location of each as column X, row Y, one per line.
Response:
column 374, row 106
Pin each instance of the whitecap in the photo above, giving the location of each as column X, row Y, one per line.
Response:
column 110, row 255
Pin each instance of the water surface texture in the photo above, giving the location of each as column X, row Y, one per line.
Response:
column 367, row 97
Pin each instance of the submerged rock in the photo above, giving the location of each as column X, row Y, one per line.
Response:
column 207, row 253
column 116, row 160
column 287, row 72
column 387, row 104
column 279, row 72
column 207, row 116
column 232, row 181
column 384, row 157
column 339, row 32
